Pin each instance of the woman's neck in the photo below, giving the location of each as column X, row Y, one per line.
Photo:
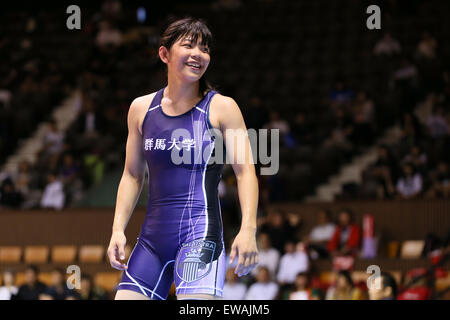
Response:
column 180, row 92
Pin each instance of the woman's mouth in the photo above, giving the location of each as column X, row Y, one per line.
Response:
column 194, row 66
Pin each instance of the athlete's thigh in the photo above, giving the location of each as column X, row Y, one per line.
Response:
column 130, row 295
column 200, row 269
column 147, row 274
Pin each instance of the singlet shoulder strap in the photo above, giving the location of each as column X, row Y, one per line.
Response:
column 210, row 94
column 156, row 102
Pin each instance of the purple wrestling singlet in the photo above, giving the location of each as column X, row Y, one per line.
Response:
column 181, row 239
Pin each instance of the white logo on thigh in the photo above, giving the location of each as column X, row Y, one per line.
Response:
column 194, row 260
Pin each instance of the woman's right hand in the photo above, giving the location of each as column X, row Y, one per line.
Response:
column 116, row 250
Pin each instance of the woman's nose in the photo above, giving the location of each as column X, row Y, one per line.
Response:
column 196, row 52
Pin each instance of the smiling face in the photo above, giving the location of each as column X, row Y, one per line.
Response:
column 186, row 59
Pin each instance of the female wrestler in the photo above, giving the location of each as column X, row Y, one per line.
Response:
column 181, row 239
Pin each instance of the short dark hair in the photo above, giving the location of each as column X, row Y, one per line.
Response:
column 303, row 274
column 196, row 28
column 349, row 212
column 33, row 267
column 388, row 280
column 327, row 213
column 347, row 276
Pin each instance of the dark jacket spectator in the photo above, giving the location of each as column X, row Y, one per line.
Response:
column 279, row 229
column 88, row 291
column 9, row 197
column 32, row 288
column 58, row 290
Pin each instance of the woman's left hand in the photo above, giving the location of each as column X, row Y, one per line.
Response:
column 244, row 248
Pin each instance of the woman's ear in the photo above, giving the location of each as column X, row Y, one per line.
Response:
column 164, row 54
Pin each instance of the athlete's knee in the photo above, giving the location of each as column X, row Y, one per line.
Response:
column 130, row 295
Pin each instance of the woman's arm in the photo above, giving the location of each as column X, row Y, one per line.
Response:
column 130, row 186
column 238, row 148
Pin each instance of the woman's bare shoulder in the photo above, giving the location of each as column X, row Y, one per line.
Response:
column 139, row 108
column 222, row 107
column 222, row 100
column 143, row 101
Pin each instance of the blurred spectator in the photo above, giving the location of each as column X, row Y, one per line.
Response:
column 5, row 98
column 8, row 290
column 384, row 171
column 233, row 288
column 58, row 289
column 267, row 256
column 346, row 237
column 384, row 288
column 9, row 196
column 32, row 288
column 91, row 122
column 23, row 177
column 69, row 169
column 53, row 139
column 53, row 196
column 340, row 96
column 427, row 46
column 409, row 185
column 320, row 235
column 295, row 260
column 263, row 288
column 406, row 74
column 94, row 165
column 88, row 291
column 302, row 289
column 70, row 176
column 437, row 124
column 344, row 289
column 278, row 123
column 255, row 115
column 387, row 46
column 279, row 229
column 417, row 158
column 302, row 130
column 363, row 119
column 411, row 130
column 343, row 131
column 415, row 285
column 111, row 9
column 108, row 35
column 28, row 86
column 440, row 182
